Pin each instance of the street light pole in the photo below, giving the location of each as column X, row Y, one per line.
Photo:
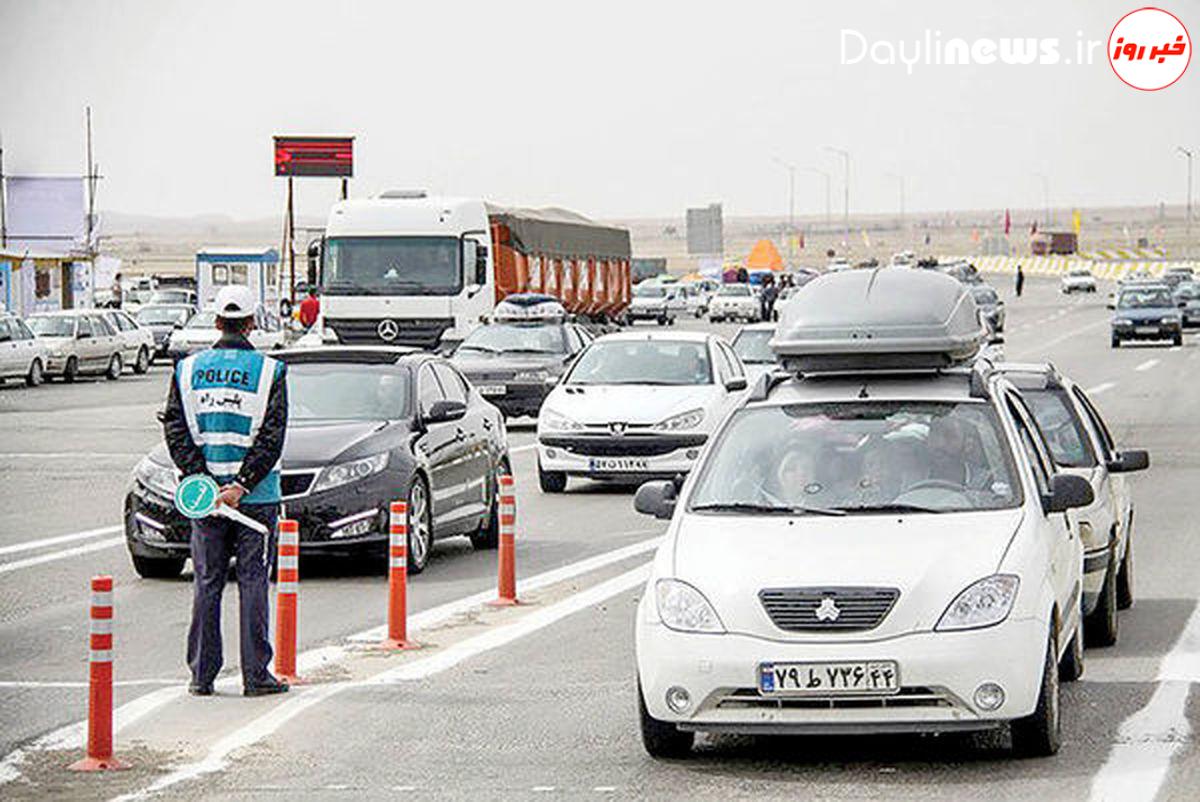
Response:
column 1188, row 224
column 791, row 168
column 846, row 198
column 1046, row 222
column 828, row 213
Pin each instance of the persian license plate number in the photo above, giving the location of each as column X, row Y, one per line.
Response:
column 826, row 679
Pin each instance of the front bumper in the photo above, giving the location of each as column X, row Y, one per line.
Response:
column 640, row 456
column 724, row 312
column 518, row 398
column 1147, row 331
column 939, row 672
column 343, row 521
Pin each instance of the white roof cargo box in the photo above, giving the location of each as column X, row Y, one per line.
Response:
column 887, row 319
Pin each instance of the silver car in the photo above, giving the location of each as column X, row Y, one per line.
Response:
column 79, row 342
column 22, row 355
column 1080, row 443
column 137, row 341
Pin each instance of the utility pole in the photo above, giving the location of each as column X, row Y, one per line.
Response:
column 828, row 213
column 1188, row 224
column 3, row 218
column 846, row 199
column 91, row 187
column 791, row 224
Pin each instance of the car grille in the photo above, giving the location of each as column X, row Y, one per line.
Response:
column 912, row 696
column 636, row 445
column 296, row 483
column 796, row 609
column 417, row 332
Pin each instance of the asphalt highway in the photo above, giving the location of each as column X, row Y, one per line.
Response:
column 539, row 701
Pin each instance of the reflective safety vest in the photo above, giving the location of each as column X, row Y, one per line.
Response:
column 224, row 393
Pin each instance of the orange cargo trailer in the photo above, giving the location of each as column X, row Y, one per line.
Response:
column 557, row 252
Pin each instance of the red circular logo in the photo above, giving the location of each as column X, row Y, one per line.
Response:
column 1149, row 49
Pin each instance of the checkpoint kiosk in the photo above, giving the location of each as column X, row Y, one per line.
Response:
column 256, row 269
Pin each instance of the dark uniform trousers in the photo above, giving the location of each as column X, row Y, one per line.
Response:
column 215, row 540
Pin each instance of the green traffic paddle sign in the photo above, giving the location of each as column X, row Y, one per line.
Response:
column 196, row 496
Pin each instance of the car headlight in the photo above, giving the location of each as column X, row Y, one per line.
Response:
column 1169, row 319
column 681, row 607
column 686, row 420
column 552, row 421
column 1122, row 322
column 155, row 476
column 531, row 376
column 346, row 472
column 983, row 604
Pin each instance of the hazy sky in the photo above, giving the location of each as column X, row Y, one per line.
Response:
column 610, row 108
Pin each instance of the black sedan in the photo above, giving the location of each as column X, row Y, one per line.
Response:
column 515, row 364
column 366, row 426
column 162, row 320
column 1146, row 312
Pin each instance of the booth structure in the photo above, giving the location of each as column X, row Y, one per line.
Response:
column 256, row 269
column 41, row 282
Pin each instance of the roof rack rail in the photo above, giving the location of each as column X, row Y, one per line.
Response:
column 767, row 382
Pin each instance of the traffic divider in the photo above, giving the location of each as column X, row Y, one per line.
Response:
column 397, row 619
column 287, row 592
column 506, row 580
column 100, row 681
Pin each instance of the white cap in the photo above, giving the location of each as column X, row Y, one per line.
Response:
column 235, row 301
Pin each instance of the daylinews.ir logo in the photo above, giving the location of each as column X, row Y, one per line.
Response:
column 1149, row 49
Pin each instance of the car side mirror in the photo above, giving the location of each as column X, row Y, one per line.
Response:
column 737, row 383
column 1130, row 460
column 445, row 411
column 656, row 498
column 1068, row 491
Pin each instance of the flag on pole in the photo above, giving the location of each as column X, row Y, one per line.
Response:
column 1007, row 223
column 866, row 240
column 1077, row 221
column 800, row 240
column 1033, row 228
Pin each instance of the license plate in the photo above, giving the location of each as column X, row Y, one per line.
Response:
column 1146, row 329
column 608, row 464
column 829, row 679
column 492, row 389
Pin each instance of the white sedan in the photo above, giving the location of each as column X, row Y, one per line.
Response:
column 735, row 302
column 137, row 341
column 864, row 556
column 635, row 406
column 201, row 332
column 1078, row 280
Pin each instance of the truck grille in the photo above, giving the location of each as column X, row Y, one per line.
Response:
column 415, row 332
column 827, row 609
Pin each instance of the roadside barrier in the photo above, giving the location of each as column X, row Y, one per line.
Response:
column 397, row 624
column 506, row 580
column 287, row 591
column 100, row 682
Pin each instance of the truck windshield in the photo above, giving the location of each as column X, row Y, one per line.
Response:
column 392, row 266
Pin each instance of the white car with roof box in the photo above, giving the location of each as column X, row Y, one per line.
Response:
column 1080, row 443
column 735, row 302
column 636, row 405
column 874, row 544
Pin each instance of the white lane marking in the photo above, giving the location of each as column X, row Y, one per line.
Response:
column 71, row 736
column 69, row 454
column 1102, row 387
column 1041, row 347
column 1149, row 363
column 31, row 545
column 266, row 725
column 1140, row 760
column 88, row 548
column 52, row 685
column 519, row 449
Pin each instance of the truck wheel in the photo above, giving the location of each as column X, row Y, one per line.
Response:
column 551, row 481
column 1101, row 625
column 662, row 739
column 1039, row 734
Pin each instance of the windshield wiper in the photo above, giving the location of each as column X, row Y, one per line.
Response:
column 527, row 351
column 487, row 349
column 348, row 286
column 767, row 509
column 891, row 508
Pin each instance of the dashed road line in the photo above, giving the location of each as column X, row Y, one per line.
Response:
column 29, row 562
column 45, row 542
column 1149, row 363
column 1102, row 387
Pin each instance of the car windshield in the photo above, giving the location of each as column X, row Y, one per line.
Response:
column 340, row 391
column 154, row 316
column 985, row 296
column 669, row 362
column 203, row 320
column 734, row 289
column 648, row 291
column 1148, row 298
column 392, row 266
column 751, row 346
column 1061, row 428
column 52, row 326
column 858, row 457
column 1187, row 292
column 170, row 297
column 516, row 338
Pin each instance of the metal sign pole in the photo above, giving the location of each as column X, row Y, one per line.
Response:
column 291, row 244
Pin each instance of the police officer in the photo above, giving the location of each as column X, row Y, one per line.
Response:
column 226, row 416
